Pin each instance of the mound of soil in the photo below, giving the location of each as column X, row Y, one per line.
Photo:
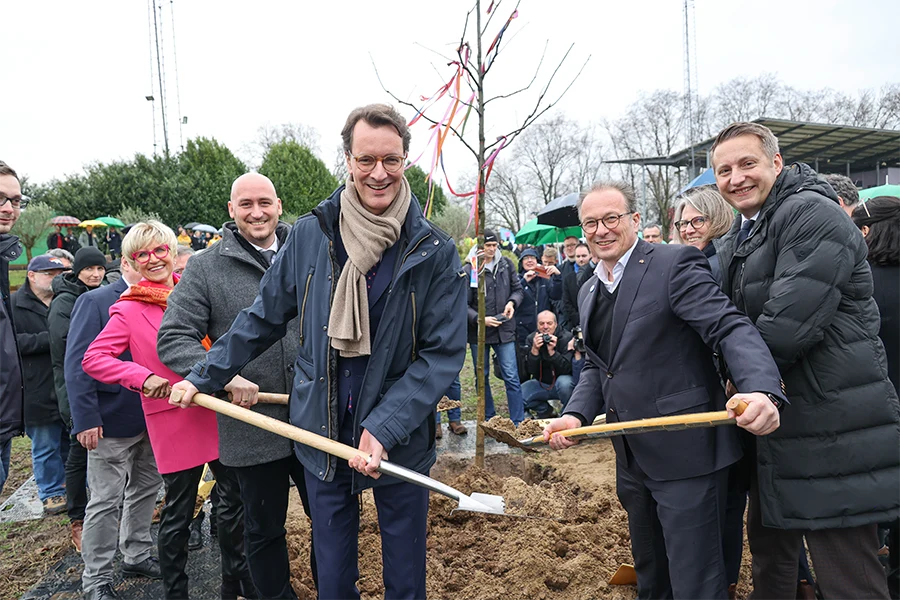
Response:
column 564, row 534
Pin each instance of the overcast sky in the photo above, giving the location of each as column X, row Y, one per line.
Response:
column 75, row 74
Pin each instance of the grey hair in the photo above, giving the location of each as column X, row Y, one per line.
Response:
column 844, row 187
column 184, row 250
column 608, row 184
column 652, row 225
column 60, row 253
column 764, row 134
column 707, row 201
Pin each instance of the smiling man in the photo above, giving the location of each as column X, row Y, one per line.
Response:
column 797, row 267
column 261, row 462
column 652, row 316
column 380, row 296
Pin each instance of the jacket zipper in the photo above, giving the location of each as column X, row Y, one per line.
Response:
column 330, row 352
column 303, row 305
column 413, row 300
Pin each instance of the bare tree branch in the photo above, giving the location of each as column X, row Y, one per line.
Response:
column 533, row 78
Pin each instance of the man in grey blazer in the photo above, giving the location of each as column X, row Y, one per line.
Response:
column 652, row 317
column 216, row 285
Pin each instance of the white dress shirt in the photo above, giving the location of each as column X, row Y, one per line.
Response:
column 605, row 276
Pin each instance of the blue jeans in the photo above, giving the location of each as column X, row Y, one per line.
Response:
column 506, row 356
column 454, row 392
column 49, row 450
column 5, row 447
column 536, row 395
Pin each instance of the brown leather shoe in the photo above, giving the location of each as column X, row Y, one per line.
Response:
column 732, row 591
column 438, row 432
column 75, row 528
column 457, row 428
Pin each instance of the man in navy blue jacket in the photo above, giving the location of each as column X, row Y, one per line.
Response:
column 652, row 317
column 109, row 423
column 380, row 296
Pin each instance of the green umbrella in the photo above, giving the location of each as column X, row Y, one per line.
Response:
column 881, row 190
column 535, row 234
column 111, row 221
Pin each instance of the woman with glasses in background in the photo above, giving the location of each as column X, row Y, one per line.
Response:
column 183, row 440
column 701, row 216
column 879, row 221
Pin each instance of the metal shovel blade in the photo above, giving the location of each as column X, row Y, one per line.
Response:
column 487, row 503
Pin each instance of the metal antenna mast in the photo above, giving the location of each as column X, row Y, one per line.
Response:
column 689, row 71
column 177, row 89
column 160, row 75
column 151, row 97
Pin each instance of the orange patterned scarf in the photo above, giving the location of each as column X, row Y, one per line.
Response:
column 156, row 295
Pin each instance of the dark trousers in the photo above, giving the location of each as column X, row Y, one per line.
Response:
column 265, row 493
column 402, row 518
column 76, row 480
column 676, row 533
column 845, row 559
column 174, row 524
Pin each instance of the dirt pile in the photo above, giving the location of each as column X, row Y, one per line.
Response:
column 575, row 543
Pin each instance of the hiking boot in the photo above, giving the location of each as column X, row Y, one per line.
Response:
column 75, row 529
column 101, row 592
column 149, row 568
column 457, row 428
column 55, row 505
column 438, row 432
column 195, row 539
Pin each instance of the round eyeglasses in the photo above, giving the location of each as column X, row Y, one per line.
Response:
column 391, row 163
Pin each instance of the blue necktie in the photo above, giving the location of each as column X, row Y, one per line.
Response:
column 744, row 233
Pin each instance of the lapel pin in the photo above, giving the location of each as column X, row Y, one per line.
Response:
column 591, row 290
column 641, row 261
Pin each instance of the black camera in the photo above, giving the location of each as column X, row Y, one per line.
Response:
column 546, row 338
column 579, row 339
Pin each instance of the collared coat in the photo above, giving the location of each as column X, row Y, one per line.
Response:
column 669, row 317
column 803, row 279
column 182, row 438
column 12, row 388
column 33, row 335
column 217, row 284
column 417, row 351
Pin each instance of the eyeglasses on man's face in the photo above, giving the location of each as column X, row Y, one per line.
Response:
column 696, row 223
column 391, row 163
column 589, row 226
column 17, row 202
column 143, row 256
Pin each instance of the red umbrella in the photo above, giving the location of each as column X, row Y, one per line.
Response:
column 64, row 220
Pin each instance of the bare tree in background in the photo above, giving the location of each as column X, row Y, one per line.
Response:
column 507, row 198
column 339, row 166
column 477, row 64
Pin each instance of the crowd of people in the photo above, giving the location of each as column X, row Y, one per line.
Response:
column 361, row 312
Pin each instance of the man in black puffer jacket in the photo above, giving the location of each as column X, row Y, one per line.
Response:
column 797, row 267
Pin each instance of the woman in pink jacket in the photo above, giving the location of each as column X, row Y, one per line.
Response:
column 183, row 440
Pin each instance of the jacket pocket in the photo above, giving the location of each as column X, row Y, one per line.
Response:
column 642, row 311
column 682, row 401
column 309, row 277
column 412, row 299
column 152, row 406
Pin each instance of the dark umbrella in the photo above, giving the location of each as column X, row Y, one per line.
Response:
column 560, row 212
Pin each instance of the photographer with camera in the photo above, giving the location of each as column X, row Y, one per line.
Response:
column 549, row 364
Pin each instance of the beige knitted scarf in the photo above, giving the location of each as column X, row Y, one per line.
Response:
column 366, row 236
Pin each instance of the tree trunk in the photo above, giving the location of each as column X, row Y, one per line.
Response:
column 479, row 262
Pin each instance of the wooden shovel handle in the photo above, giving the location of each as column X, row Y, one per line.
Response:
column 735, row 404
column 274, row 425
column 267, row 398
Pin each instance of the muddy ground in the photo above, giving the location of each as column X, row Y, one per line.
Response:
column 570, row 552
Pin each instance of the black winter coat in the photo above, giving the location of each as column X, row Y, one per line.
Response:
column 12, row 396
column 33, row 335
column 500, row 286
column 803, row 279
column 537, row 296
column 66, row 289
column 546, row 368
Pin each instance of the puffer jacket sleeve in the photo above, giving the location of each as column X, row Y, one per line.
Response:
column 258, row 326
column 185, row 323
column 58, row 318
column 442, row 348
column 814, row 254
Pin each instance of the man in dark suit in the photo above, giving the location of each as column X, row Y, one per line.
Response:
column 109, row 422
column 652, row 316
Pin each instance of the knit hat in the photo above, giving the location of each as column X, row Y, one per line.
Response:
column 490, row 236
column 88, row 256
column 529, row 252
